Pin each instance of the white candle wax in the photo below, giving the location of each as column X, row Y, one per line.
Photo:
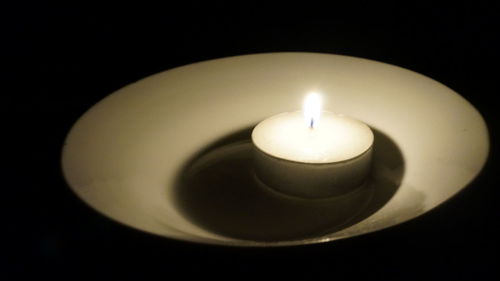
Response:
column 312, row 159
column 336, row 138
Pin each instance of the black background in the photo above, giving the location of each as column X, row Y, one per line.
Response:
column 63, row 58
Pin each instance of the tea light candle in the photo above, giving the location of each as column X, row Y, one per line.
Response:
column 310, row 153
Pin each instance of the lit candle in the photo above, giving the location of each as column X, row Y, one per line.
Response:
column 310, row 153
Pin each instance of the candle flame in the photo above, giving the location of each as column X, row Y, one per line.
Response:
column 312, row 109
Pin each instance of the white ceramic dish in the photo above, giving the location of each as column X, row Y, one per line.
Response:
column 123, row 156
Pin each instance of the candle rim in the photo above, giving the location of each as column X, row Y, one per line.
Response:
column 326, row 114
column 318, row 163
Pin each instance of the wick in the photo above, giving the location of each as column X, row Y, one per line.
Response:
column 311, row 125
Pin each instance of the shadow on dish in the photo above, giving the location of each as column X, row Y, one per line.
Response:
column 217, row 191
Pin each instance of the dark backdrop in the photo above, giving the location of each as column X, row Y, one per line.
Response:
column 63, row 58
